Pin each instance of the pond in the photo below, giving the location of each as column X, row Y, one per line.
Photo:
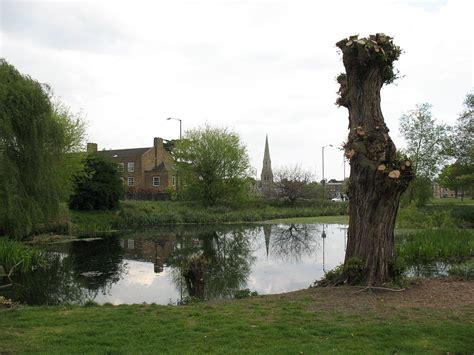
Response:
column 170, row 265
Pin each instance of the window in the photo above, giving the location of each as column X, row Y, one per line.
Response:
column 131, row 166
column 156, row 181
column 120, row 167
column 173, row 181
column 130, row 181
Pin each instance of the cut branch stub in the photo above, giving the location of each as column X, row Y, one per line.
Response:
column 381, row 167
column 350, row 153
column 360, row 131
column 394, row 174
column 378, row 48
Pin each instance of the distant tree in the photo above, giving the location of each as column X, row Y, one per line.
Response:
column 35, row 141
column 458, row 177
column 426, row 141
column 462, row 138
column 293, row 183
column 213, row 164
column 72, row 136
column 427, row 147
column 98, row 187
column 419, row 192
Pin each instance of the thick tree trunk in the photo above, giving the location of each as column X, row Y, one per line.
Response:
column 378, row 177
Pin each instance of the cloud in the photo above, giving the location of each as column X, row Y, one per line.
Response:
column 62, row 25
column 259, row 67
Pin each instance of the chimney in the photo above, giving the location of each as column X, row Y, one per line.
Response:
column 158, row 142
column 91, row 147
column 158, row 145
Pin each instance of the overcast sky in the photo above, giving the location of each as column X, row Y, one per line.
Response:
column 258, row 67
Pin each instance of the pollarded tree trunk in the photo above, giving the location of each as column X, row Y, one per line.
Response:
column 378, row 176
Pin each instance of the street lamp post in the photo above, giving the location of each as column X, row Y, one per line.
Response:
column 180, row 126
column 180, row 137
column 324, row 181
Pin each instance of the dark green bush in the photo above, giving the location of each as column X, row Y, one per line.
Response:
column 99, row 187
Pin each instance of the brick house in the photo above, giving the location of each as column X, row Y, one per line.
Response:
column 146, row 171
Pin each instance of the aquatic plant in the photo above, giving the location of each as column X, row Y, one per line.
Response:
column 19, row 256
column 428, row 245
column 463, row 271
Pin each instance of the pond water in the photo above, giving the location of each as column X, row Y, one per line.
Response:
column 167, row 266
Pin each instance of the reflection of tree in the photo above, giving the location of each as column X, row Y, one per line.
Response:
column 212, row 264
column 97, row 264
column 52, row 285
column 294, row 241
column 72, row 276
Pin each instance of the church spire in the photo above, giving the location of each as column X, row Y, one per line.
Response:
column 267, row 173
column 266, row 155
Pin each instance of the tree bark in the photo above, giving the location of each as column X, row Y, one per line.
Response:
column 378, row 176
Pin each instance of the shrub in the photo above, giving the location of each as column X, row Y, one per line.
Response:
column 24, row 257
column 99, row 187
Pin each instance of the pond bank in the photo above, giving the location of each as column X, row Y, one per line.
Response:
column 321, row 319
column 140, row 214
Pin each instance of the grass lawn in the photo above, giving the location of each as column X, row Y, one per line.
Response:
column 452, row 201
column 434, row 316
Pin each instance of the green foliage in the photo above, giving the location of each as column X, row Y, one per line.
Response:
column 99, row 187
column 213, row 165
column 245, row 293
column 427, row 141
column 462, row 139
column 35, row 140
column 353, row 270
column 171, row 191
column 457, row 176
column 71, row 142
column 419, row 192
column 16, row 253
column 429, row 245
column 375, row 50
column 463, row 271
column 413, row 217
column 148, row 214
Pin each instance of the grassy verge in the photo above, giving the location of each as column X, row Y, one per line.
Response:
column 137, row 214
column 429, row 245
column 308, row 321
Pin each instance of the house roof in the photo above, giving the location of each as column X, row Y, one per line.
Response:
column 162, row 167
column 115, row 153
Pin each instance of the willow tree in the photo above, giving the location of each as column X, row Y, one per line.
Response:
column 378, row 174
column 36, row 138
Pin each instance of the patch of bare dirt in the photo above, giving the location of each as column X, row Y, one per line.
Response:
column 439, row 294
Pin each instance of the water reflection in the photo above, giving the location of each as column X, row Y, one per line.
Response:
column 169, row 264
column 76, row 272
column 293, row 242
column 212, row 264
